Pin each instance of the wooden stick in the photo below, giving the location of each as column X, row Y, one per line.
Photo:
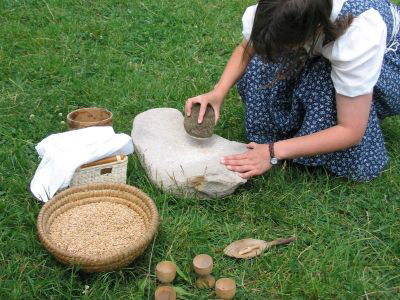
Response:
column 281, row 242
column 103, row 161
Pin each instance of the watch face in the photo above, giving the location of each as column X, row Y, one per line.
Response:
column 274, row 161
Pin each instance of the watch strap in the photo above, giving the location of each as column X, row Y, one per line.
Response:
column 273, row 159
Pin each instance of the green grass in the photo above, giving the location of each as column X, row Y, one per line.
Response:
column 130, row 56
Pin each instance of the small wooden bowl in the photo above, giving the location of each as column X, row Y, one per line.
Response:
column 225, row 288
column 87, row 117
column 166, row 271
column 205, row 282
column 165, row 293
column 203, row 264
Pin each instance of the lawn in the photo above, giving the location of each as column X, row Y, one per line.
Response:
column 130, row 56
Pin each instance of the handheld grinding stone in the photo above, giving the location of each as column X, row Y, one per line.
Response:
column 203, row 130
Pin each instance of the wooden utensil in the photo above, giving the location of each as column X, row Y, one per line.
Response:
column 225, row 288
column 249, row 248
column 103, row 161
column 203, row 265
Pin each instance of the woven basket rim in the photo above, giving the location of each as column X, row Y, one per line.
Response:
column 139, row 243
column 83, row 191
column 109, row 113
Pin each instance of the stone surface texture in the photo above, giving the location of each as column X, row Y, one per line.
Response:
column 203, row 130
column 180, row 164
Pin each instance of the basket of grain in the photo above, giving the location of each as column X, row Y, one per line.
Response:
column 98, row 227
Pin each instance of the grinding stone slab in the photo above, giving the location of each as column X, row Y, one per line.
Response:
column 179, row 164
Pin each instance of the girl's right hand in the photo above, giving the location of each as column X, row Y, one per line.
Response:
column 212, row 98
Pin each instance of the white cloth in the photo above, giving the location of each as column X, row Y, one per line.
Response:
column 248, row 21
column 356, row 56
column 63, row 153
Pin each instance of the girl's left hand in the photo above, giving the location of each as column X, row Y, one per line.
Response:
column 251, row 163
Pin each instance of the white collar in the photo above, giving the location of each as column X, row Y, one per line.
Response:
column 336, row 8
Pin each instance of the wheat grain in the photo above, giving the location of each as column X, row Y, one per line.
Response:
column 97, row 229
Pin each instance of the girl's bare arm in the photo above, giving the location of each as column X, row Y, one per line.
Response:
column 234, row 69
column 352, row 120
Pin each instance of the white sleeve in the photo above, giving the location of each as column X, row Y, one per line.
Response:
column 357, row 55
column 248, row 20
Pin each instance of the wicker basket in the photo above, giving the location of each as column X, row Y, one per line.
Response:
column 87, row 117
column 124, row 194
column 102, row 172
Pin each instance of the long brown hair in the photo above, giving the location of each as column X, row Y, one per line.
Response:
column 283, row 27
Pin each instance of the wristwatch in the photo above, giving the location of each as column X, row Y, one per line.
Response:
column 273, row 160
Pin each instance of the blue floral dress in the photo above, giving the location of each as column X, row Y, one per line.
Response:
column 291, row 108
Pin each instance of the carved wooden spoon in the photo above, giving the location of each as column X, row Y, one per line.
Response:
column 249, row 248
